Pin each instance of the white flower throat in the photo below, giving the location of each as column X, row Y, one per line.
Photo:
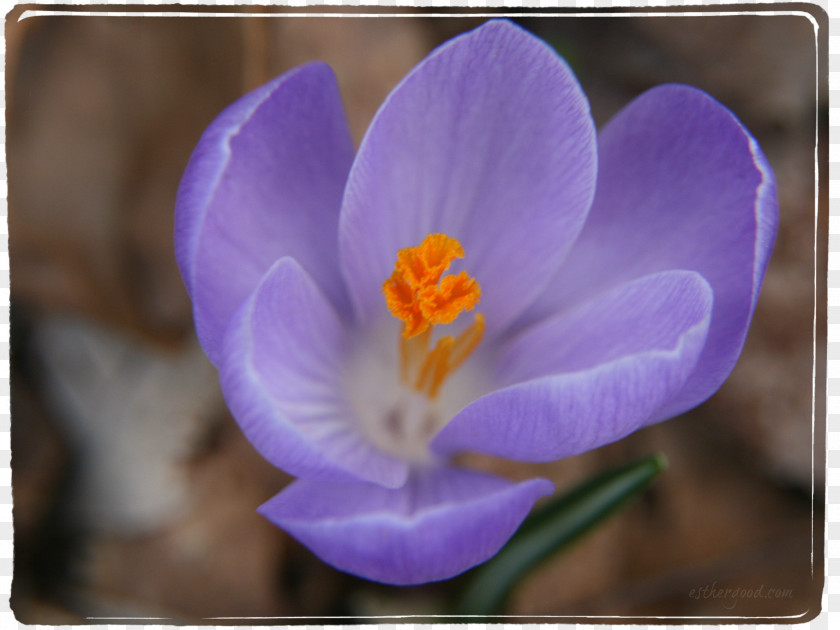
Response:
column 402, row 398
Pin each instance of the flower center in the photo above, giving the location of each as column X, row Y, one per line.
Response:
column 422, row 297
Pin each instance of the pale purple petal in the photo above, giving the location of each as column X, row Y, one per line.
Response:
column 591, row 375
column 649, row 313
column 488, row 140
column 681, row 185
column 265, row 181
column 441, row 523
column 281, row 376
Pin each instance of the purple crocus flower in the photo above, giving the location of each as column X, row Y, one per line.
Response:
column 462, row 283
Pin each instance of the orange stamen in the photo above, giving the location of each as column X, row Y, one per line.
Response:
column 443, row 303
column 400, row 298
column 412, row 352
column 466, row 342
column 432, row 365
column 441, row 370
column 419, row 294
column 423, row 265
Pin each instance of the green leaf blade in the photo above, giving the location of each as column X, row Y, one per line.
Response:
column 552, row 528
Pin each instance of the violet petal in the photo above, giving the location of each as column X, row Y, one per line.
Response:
column 280, row 374
column 590, row 376
column 681, row 185
column 441, row 523
column 265, row 181
column 489, row 140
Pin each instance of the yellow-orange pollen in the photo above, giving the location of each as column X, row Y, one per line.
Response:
column 422, row 297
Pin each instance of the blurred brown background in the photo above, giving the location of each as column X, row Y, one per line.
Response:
column 134, row 492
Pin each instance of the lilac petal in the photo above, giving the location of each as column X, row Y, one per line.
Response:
column 281, row 377
column 592, row 375
column 649, row 313
column 441, row 523
column 265, row 181
column 488, row 140
column 681, row 185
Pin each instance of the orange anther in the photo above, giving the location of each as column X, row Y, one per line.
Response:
column 442, row 304
column 401, row 300
column 423, row 265
column 422, row 297
column 419, row 294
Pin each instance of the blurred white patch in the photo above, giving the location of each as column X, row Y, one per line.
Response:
column 132, row 415
column 397, row 419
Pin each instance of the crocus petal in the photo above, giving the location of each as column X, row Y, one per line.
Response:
column 488, row 140
column 265, row 181
column 280, row 374
column 592, row 375
column 441, row 523
column 681, row 185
